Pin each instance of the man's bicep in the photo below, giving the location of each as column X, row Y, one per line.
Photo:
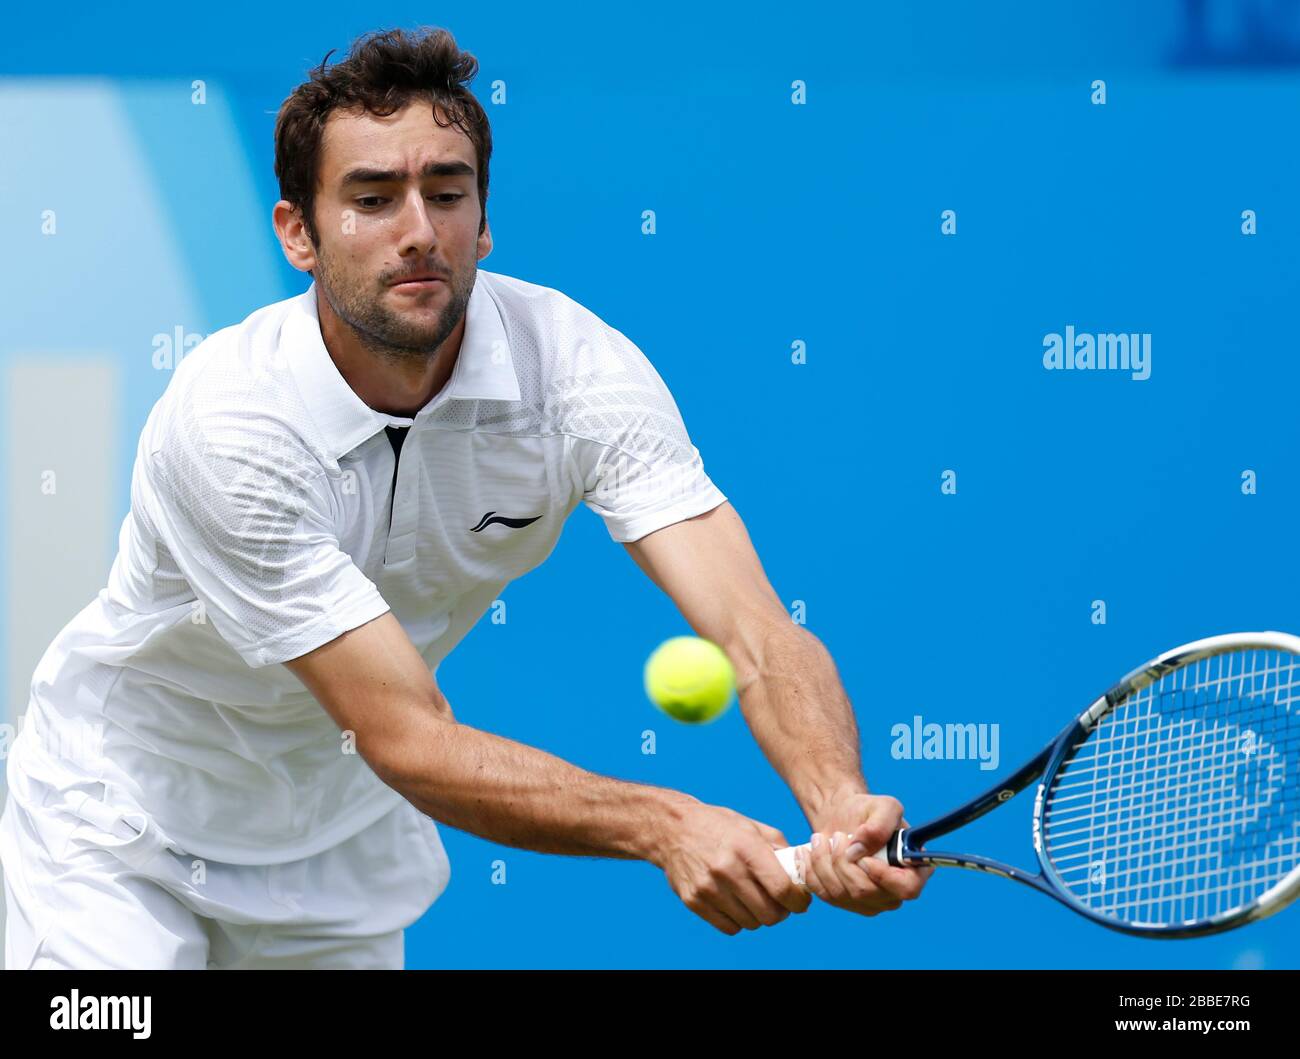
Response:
column 708, row 567
column 372, row 681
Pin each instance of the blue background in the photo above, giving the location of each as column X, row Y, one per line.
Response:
column 780, row 223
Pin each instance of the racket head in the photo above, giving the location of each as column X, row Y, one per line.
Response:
column 1172, row 807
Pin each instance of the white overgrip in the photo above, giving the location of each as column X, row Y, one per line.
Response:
column 789, row 860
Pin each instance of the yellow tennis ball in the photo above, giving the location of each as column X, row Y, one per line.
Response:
column 690, row 679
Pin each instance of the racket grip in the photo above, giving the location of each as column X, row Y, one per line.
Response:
column 789, row 860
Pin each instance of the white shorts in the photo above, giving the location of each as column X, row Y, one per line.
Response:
column 88, row 886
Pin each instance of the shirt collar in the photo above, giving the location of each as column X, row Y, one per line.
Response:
column 484, row 370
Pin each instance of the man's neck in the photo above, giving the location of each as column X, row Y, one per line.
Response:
column 396, row 385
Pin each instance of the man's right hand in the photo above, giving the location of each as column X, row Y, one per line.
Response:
column 723, row 867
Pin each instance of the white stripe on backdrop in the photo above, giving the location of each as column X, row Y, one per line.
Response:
column 63, row 421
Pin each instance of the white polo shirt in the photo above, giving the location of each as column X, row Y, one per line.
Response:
column 266, row 520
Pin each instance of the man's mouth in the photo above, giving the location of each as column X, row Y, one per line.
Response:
column 420, row 280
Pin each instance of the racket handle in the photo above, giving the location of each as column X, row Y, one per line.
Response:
column 789, row 858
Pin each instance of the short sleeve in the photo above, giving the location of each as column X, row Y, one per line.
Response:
column 244, row 511
column 638, row 468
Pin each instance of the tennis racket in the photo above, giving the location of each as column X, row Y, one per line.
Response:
column 1170, row 807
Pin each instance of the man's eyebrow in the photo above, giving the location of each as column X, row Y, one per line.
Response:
column 368, row 175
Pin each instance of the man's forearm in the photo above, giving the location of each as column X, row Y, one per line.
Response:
column 520, row 796
column 795, row 705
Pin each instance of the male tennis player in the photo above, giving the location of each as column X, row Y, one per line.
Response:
column 235, row 755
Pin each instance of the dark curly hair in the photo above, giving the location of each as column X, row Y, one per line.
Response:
column 384, row 71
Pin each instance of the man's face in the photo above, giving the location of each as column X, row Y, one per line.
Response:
column 397, row 196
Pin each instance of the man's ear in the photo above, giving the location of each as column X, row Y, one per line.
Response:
column 287, row 220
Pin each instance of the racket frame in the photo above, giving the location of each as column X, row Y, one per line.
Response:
column 907, row 846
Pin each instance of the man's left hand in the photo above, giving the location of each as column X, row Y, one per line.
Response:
column 840, row 869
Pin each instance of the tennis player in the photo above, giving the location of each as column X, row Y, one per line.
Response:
column 236, row 754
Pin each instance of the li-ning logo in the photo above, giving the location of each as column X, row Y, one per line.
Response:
column 492, row 518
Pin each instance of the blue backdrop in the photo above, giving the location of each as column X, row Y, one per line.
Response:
column 781, row 221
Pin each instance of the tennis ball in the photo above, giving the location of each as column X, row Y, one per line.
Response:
column 690, row 679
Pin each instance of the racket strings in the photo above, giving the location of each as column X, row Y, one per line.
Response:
column 1181, row 804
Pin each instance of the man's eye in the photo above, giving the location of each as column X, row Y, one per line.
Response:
column 370, row 202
